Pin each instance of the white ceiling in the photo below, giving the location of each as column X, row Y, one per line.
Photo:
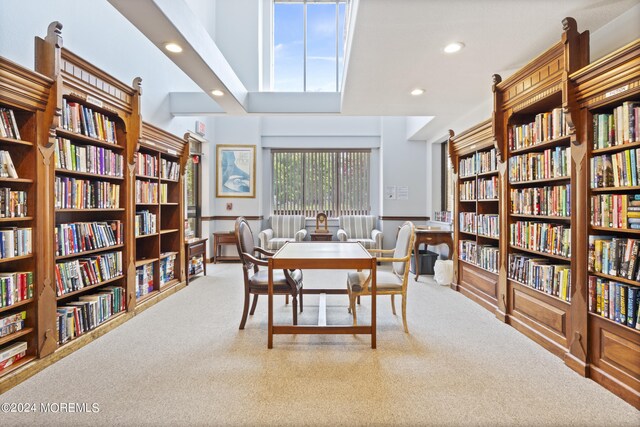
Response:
column 397, row 46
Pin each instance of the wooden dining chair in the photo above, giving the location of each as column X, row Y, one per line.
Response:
column 256, row 280
column 392, row 282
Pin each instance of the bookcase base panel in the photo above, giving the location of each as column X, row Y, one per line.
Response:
column 542, row 319
column 479, row 286
column 615, row 358
column 159, row 296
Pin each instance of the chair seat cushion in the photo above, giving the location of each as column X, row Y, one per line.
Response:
column 367, row 243
column 385, row 281
column 261, row 280
column 278, row 242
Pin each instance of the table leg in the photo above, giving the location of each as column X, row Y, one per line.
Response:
column 204, row 261
column 270, row 304
column 373, row 302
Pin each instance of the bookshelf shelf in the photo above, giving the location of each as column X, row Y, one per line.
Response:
column 146, row 297
column 535, row 182
column 169, row 284
column 170, row 204
column 19, row 364
column 543, row 145
column 477, row 266
column 172, row 230
column 484, row 236
column 489, row 173
column 468, row 201
column 16, row 305
column 487, row 200
column 17, row 180
column 615, row 278
column 13, row 336
column 77, row 137
column 93, row 251
column 18, row 218
column 616, row 148
column 601, row 230
column 89, row 210
column 614, row 189
column 541, row 217
column 140, row 176
column 468, row 177
column 13, row 141
column 16, row 258
column 542, row 293
column 168, row 254
column 142, row 262
column 142, row 236
column 89, row 175
column 95, row 332
column 613, row 324
column 544, row 254
column 88, row 288
column 168, row 180
column 468, row 233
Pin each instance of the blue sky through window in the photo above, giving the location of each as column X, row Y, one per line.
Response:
column 288, row 46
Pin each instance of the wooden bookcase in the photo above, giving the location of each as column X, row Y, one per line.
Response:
column 26, row 94
column 613, row 348
column 158, row 149
column 475, row 165
column 541, row 93
column 108, row 111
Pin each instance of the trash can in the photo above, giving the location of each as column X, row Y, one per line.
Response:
column 427, row 260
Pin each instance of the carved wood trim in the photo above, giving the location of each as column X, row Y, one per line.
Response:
column 23, row 88
column 475, row 138
column 161, row 140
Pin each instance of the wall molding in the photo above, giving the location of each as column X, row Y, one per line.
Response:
column 231, row 218
column 405, row 218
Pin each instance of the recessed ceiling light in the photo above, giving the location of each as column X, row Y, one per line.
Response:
column 173, row 47
column 417, row 92
column 217, row 92
column 453, row 47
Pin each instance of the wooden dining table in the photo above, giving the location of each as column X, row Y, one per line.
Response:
column 317, row 256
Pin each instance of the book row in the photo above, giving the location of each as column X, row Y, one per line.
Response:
column 164, row 193
column 8, row 124
column 146, row 192
column 545, row 127
column 167, row 269
column 11, row 353
column 488, row 188
column 614, row 256
column 619, row 127
column 12, row 323
column 620, row 169
column 146, row 223
column 13, row 203
column 467, row 222
column 144, row 280
column 537, row 273
column 481, row 162
column 77, row 237
column 90, row 311
column 72, row 193
column 468, row 190
column 195, row 265
column 169, row 169
column 15, row 242
column 443, row 216
column 486, row 257
column 549, row 200
column 75, row 275
column 541, row 237
column 87, row 159
column 146, row 164
column 615, row 210
column 489, row 225
column 81, row 119
column 15, row 287
column 7, row 169
column 615, row 301
column 551, row 163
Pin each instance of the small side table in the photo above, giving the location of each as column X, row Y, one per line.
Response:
column 195, row 247
column 221, row 238
column 321, row 237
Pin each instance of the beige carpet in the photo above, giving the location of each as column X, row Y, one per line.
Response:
column 184, row 362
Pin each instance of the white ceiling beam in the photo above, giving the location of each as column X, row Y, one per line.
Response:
column 193, row 104
column 164, row 21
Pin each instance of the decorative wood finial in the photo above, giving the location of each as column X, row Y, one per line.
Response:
column 54, row 34
column 569, row 24
column 496, row 79
column 137, row 85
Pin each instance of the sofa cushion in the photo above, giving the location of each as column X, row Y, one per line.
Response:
column 385, row 281
column 286, row 226
column 278, row 242
column 261, row 279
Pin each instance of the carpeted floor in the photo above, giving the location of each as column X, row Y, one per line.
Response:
column 184, row 362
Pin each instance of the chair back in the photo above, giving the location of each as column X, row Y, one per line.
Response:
column 358, row 226
column 244, row 241
column 404, row 243
column 286, row 226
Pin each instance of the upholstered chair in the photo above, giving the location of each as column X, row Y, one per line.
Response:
column 284, row 228
column 360, row 228
column 392, row 282
column 256, row 280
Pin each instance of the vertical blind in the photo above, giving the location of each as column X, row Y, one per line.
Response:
column 336, row 182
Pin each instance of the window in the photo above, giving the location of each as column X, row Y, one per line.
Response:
column 193, row 187
column 308, row 45
column 336, row 182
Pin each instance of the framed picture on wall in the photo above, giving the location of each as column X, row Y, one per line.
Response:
column 235, row 170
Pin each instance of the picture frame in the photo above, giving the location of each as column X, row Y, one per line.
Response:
column 235, row 170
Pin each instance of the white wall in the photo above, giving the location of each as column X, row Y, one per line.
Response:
column 615, row 34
